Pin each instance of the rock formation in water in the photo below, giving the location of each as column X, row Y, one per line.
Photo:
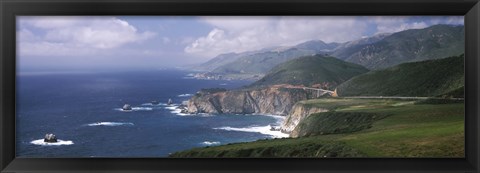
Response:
column 127, row 107
column 50, row 138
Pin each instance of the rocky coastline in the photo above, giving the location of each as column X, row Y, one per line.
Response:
column 269, row 100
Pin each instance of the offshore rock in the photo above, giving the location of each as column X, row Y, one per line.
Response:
column 127, row 107
column 50, row 138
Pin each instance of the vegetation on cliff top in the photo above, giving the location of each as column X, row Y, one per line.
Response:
column 407, row 130
column 335, row 122
column 425, row 78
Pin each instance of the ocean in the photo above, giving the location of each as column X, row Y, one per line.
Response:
column 84, row 111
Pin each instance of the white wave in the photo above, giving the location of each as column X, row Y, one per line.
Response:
column 60, row 142
column 210, row 143
column 257, row 129
column 135, row 109
column 177, row 111
column 151, row 104
column 185, row 95
column 223, row 84
column 142, row 108
column 171, row 107
column 110, row 124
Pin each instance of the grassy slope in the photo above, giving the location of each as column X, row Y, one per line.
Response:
column 426, row 78
column 409, row 130
column 336, row 122
column 310, row 70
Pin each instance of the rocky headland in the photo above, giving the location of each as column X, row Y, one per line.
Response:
column 269, row 100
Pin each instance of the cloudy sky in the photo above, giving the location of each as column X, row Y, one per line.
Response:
column 87, row 43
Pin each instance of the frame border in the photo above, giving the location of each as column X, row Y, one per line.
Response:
column 9, row 9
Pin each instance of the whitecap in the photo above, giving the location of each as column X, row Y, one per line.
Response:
column 142, row 108
column 135, row 109
column 171, row 107
column 110, row 124
column 185, row 95
column 210, row 143
column 151, row 104
column 176, row 110
column 267, row 130
column 223, row 84
column 60, row 142
column 179, row 112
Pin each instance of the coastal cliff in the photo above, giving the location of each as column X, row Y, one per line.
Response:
column 270, row 100
column 297, row 114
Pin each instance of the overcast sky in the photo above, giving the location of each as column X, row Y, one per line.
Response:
column 86, row 43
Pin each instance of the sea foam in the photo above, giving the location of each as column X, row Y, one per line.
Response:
column 185, row 95
column 110, row 124
column 210, row 143
column 60, row 142
column 267, row 130
column 151, row 104
column 176, row 110
column 135, row 109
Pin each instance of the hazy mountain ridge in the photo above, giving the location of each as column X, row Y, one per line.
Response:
column 261, row 62
column 376, row 52
column 412, row 45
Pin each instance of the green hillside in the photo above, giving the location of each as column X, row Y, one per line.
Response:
column 310, row 70
column 361, row 128
column 425, row 78
column 335, row 123
column 407, row 46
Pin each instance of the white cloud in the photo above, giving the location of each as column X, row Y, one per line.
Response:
column 73, row 36
column 452, row 20
column 237, row 34
column 390, row 24
column 165, row 40
column 236, row 23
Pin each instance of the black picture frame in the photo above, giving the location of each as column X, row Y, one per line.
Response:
column 11, row 8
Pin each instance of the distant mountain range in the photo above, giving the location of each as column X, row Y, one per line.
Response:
column 376, row 52
column 407, row 46
column 261, row 61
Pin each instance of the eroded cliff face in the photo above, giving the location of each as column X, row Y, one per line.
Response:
column 297, row 114
column 278, row 101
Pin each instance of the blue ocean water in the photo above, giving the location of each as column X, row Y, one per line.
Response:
column 83, row 111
